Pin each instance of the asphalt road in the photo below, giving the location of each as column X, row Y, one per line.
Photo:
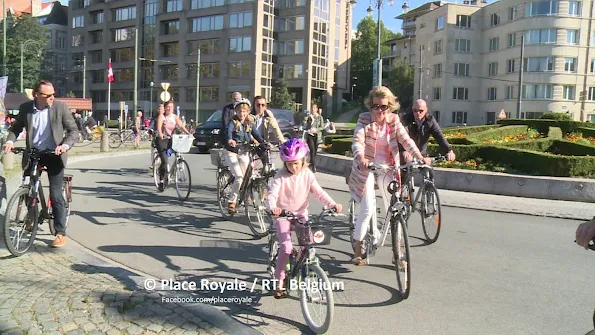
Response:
column 489, row 273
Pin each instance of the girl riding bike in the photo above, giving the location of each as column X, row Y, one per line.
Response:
column 375, row 140
column 290, row 191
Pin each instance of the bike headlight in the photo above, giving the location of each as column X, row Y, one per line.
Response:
column 215, row 131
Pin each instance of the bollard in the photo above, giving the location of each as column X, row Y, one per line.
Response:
column 104, row 147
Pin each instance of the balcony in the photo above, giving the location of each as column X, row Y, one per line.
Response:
column 408, row 25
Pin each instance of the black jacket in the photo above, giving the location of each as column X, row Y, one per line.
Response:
column 421, row 134
column 226, row 116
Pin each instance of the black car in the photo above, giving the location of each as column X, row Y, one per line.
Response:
column 207, row 134
column 286, row 122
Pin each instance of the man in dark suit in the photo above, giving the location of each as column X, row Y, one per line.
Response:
column 46, row 121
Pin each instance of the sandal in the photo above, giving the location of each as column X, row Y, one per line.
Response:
column 231, row 208
column 358, row 261
column 280, row 294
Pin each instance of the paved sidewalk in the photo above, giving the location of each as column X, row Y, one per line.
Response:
column 50, row 291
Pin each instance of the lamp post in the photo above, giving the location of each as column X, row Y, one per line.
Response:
column 151, row 101
column 352, row 88
column 22, row 57
column 378, row 4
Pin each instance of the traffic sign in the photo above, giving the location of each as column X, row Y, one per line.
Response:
column 178, row 110
column 126, row 109
column 165, row 96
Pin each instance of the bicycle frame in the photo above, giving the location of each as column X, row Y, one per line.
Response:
column 36, row 189
column 427, row 176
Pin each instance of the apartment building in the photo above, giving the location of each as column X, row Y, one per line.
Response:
column 471, row 60
column 54, row 18
column 245, row 46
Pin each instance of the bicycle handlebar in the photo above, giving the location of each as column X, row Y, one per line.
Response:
column 32, row 151
column 292, row 216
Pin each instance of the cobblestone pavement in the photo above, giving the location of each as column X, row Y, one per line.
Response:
column 49, row 291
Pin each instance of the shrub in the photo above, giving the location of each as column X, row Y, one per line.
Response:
column 540, row 145
column 340, row 146
column 567, row 148
column 112, row 123
column 542, row 126
column 586, row 132
column 329, row 138
column 468, row 130
column 497, row 133
column 555, row 133
column 556, row 116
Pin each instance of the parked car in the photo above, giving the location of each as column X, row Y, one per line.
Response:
column 206, row 135
column 286, row 122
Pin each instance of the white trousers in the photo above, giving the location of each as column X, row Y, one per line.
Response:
column 238, row 165
column 367, row 205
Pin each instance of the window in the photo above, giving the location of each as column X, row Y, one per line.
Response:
column 531, row 115
column 123, row 34
column 124, row 75
column 240, row 20
column 294, row 48
column 574, row 8
column 512, row 13
column 541, row 36
column 511, row 40
column 462, row 70
column 509, row 92
column 78, row 21
column 169, row 72
column 493, row 69
column 207, row 47
column 437, row 47
column 464, row 21
column 572, row 36
column 459, row 117
column 460, row 93
column 494, row 20
column 171, row 27
column 537, row 91
column 78, row 40
column 291, row 23
column 462, row 45
column 291, row 71
column 96, row 17
column 492, row 93
column 124, row 13
column 238, row 69
column 171, row 49
column 591, row 93
column 569, row 64
column 174, row 6
column 207, row 23
column 437, row 93
column 96, row 56
column 494, row 43
column 536, row 8
column 510, row 66
column 209, row 94
column 96, row 36
column 207, row 70
column 437, row 70
column 440, row 23
column 240, row 44
column 568, row 92
column 197, row 4
column 538, row 64
column 437, row 116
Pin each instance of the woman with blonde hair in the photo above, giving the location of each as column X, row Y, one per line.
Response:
column 376, row 140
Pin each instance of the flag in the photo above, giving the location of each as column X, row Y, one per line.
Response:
column 110, row 72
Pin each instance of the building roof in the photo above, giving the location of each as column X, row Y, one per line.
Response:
column 421, row 9
column 77, row 103
column 46, row 9
column 396, row 39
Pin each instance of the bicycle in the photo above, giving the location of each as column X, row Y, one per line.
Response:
column 179, row 171
column 430, row 202
column 254, row 187
column 31, row 194
column 303, row 263
column 116, row 139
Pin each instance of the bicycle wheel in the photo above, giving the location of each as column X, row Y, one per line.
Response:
column 182, row 179
column 115, row 141
column 317, row 290
column 224, row 183
column 407, row 198
column 351, row 223
column 258, row 220
column 156, row 164
column 273, row 252
column 66, row 193
column 431, row 213
column 20, row 231
column 401, row 255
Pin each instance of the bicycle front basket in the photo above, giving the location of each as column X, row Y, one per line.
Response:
column 320, row 235
column 217, row 157
column 182, row 143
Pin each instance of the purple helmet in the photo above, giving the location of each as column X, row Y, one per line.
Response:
column 293, row 150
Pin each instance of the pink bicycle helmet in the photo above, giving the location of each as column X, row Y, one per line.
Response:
column 293, row 150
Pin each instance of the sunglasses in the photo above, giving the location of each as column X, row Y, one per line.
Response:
column 419, row 110
column 261, row 105
column 382, row 108
column 46, row 95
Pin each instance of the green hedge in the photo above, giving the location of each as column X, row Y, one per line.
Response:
column 468, row 130
column 329, row 138
column 562, row 147
column 340, row 146
column 540, row 145
column 586, row 132
column 556, row 116
column 555, row 133
column 112, row 123
column 498, row 133
column 542, row 126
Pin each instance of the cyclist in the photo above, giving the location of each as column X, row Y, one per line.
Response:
column 313, row 126
column 290, row 191
column 265, row 123
column 239, row 132
column 227, row 114
column 153, row 132
column 420, row 126
column 376, row 139
column 166, row 125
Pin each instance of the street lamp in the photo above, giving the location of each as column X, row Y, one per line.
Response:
column 352, row 88
column 22, row 57
column 151, row 101
column 378, row 4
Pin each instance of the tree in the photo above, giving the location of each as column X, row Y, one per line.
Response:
column 18, row 31
column 364, row 51
column 280, row 97
column 70, row 94
column 400, row 82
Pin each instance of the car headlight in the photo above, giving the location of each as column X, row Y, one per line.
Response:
column 215, row 131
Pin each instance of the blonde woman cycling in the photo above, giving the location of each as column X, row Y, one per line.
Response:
column 375, row 140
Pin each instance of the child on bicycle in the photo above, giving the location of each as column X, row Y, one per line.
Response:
column 290, row 191
column 240, row 132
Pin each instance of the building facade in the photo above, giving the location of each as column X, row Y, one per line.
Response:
column 54, row 18
column 471, row 58
column 245, row 46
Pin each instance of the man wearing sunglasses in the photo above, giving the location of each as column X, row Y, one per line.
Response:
column 420, row 126
column 46, row 121
column 265, row 123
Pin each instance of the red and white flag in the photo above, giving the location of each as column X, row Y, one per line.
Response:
column 110, row 72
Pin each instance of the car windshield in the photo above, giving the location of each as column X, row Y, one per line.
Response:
column 281, row 114
column 215, row 117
